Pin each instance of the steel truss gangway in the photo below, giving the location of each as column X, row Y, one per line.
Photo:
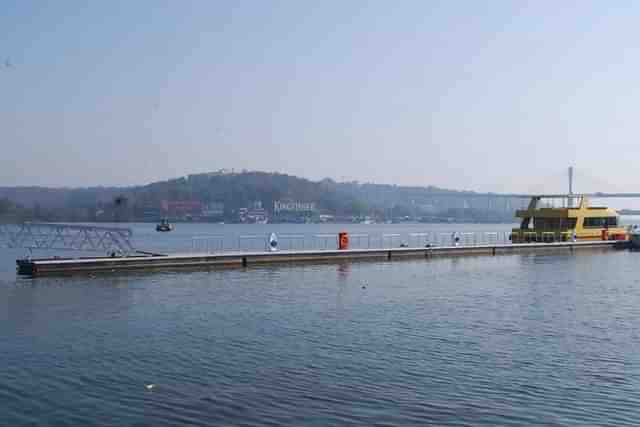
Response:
column 32, row 235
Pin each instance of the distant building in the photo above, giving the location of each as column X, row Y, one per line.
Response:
column 213, row 210
column 181, row 208
column 326, row 218
column 198, row 176
column 280, row 206
column 254, row 213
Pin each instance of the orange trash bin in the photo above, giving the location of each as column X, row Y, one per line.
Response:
column 343, row 240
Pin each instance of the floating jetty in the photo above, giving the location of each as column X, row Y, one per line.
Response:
column 64, row 266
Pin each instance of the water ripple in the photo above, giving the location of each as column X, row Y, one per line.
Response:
column 505, row 341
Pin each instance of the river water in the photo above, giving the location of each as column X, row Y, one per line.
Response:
column 545, row 339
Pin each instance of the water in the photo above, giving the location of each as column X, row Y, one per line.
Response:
column 506, row 340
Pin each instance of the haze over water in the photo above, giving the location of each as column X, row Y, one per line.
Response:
column 505, row 340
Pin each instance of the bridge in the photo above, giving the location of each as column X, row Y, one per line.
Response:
column 508, row 202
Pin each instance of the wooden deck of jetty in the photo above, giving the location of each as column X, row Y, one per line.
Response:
column 63, row 266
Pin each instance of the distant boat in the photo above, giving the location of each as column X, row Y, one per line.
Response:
column 164, row 225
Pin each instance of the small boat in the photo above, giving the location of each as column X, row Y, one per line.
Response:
column 164, row 225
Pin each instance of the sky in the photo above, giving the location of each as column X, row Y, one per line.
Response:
column 472, row 95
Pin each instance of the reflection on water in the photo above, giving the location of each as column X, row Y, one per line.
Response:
column 343, row 271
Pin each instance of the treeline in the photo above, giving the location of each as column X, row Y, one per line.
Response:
column 238, row 190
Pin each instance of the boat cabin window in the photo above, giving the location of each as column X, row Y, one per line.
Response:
column 554, row 224
column 601, row 222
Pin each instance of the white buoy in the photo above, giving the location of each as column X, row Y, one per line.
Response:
column 455, row 238
column 273, row 242
column 150, row 386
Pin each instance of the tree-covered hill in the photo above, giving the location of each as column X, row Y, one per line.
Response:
column 233, row 192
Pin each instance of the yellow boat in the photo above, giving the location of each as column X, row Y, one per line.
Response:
column 541, row 223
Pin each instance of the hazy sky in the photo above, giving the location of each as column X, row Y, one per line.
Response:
column 487, row 96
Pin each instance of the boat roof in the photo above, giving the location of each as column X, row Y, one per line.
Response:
column 582, row 208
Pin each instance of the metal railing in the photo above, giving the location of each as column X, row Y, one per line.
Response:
column 325, row 241
column 420, row 239
column 207, row 244
column 360, row 241
column 391, row 240
column 356, row 241
column 253, row 242
column 291, row 241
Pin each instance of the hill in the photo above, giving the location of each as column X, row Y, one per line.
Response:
column 248, row 197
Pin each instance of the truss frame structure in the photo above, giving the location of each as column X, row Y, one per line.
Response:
column 67, row 237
